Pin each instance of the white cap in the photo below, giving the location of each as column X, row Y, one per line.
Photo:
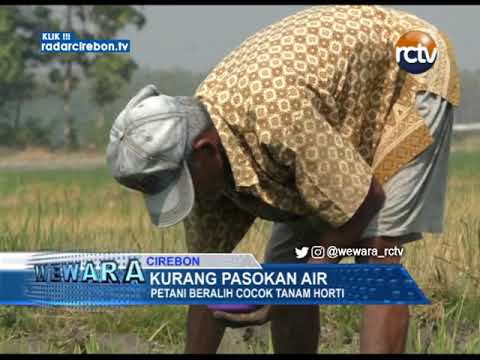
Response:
column 146, row 152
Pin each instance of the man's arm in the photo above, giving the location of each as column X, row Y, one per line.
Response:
column 335, row 182
column 343, row 236
column 214, row 226
column 353, row 229
column 349, row 233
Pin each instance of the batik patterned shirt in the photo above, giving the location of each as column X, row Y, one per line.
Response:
column 310, row 108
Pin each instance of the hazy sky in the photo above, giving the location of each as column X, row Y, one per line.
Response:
column 198, row 37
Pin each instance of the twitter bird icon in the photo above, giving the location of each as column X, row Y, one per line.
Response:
column 301, row 253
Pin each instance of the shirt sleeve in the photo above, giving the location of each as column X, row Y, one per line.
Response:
column 216, row 226
column 330, row 174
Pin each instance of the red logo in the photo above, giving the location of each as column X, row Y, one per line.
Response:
column 416, row 52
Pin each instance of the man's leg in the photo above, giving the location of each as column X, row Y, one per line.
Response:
column 204, row 332
column 294, row 328
column 384, row 327
column 415, row 202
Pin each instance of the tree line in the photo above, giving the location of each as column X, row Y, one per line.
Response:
column 26, row 73
column 69, row 101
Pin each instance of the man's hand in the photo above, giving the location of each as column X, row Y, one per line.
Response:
column 257, row 317
column 349, row 234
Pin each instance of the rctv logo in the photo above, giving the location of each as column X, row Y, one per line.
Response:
column 416, row 52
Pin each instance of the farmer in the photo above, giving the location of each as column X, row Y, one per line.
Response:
column 312, row 124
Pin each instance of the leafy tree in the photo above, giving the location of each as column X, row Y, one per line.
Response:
column 109, row 72
column 65, row 72
column 19, row 56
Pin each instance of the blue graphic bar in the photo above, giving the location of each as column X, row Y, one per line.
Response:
column 91, row 280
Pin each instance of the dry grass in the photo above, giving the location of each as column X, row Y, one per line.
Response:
column 85, row 210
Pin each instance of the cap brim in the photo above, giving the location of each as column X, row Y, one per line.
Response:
column 173, row 204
